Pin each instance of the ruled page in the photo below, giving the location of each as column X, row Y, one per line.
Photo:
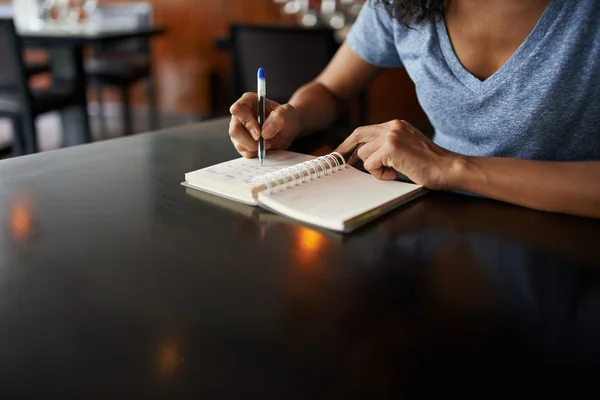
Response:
column 232, row 178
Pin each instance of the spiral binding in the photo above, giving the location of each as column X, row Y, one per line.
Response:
column 303, row 172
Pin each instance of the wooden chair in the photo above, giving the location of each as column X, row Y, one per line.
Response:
column 125, row 63
column 31, row 67
column 18, row 101
column 290, row 55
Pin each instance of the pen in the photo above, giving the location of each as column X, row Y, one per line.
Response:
column 262, row 99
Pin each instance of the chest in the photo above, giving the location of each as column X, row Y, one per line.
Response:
column 543, row 103
column 485, row 34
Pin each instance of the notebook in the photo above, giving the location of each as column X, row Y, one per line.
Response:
column 324, row 191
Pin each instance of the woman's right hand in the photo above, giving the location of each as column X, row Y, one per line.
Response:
column 279, row 130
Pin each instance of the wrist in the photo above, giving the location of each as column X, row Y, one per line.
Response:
column 460, row 172
column 299, row 127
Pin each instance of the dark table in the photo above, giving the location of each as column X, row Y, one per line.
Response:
column 66, row 54
column 116, row 283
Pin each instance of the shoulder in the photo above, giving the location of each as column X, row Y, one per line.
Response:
column 375, row 34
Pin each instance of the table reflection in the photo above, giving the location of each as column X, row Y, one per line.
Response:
column 21, row 217
column 309, row 245
column 433, row 305
column 434, row 291
column 169, row 360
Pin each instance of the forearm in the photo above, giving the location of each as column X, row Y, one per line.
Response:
column 320, row 102
column 317, row 108
column 561, row 187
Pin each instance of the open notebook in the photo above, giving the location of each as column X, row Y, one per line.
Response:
column 320, row 191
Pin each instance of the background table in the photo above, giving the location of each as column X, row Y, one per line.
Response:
column 116, row 283
column 66, row 52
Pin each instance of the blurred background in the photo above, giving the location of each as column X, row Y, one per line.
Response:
column 194, row 70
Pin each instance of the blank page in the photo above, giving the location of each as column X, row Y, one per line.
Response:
column 333, row 199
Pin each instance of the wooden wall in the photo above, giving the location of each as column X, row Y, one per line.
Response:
column 186, row 56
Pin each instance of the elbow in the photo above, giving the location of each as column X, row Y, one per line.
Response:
column 333, row 92
column 338, row 97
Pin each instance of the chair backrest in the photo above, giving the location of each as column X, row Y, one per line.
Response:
column 135, row 15
column 12, row 68
column 290, row 55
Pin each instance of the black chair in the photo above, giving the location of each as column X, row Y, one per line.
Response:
column 31, row 67
column 18, row 101
column 292, row 56
column 124, row 63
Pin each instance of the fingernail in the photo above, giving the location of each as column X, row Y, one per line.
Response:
column 255, row 134
column 269, row 130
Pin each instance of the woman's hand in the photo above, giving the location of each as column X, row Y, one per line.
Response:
column 568, row 187
column 279, row 130
column 397, row 146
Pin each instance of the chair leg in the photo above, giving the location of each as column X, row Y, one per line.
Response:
column 152, row 104
column 25, row 129
column 18, row 147
column 101, row 114
column 126, row 110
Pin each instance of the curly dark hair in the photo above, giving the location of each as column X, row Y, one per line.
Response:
column 410, row 12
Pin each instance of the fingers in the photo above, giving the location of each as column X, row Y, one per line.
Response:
column 349, row 144
column 244, row 129
column 277, row 120
column 240, row 135
column 376, row 166
column 244, row 111
column 366, row 150
column 363, row 151
column 241, row 139
column 271, row 105
column 366, row 134
column 353, row 159
column 245, row 153
column 360, row 135
column 388, row 174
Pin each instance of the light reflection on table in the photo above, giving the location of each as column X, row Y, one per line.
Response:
column 21, row 218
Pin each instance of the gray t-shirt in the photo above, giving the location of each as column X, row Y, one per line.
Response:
column 543, row 104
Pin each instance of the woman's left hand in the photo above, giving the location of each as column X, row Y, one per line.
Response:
column 399, row 146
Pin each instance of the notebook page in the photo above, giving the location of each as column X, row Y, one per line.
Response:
column 333, row 199
column 232, row 178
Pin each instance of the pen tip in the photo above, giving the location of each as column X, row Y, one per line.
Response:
column 261, row 73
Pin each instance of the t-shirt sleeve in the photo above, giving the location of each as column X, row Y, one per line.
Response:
column 372, row 37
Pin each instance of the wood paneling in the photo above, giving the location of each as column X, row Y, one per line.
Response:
column 186, row 56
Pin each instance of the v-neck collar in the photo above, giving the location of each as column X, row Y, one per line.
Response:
column 475, row 84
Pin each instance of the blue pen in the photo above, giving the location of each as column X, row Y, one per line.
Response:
column 262, row 100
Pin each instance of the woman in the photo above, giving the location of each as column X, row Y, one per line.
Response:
column 511, row 87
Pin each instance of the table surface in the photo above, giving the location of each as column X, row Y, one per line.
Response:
column 86, row 36
column 115, row 282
